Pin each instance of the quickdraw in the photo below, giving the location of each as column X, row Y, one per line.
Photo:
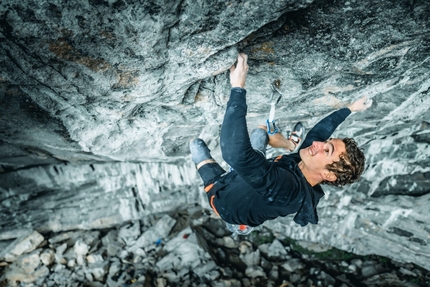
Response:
column 270, row 122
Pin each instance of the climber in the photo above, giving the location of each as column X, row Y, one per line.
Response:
column 259, row 189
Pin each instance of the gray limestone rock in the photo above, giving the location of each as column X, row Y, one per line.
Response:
column 129, row 233
column 202, row 269
column 24, row 244
column 81, row 248
column 183, row 252
column 326, row 279
column 229, row 242
column 29, row 262
column 17, row 275
column 47, row 256
column 180, row 261
column 274, row 273
column 88, row 57
column 255, row 271
column 98, row 270
column 100, row 100
column 252, row 258
column 71, row 263
column 387, row 279
column 227, row 283
column 292, row 265
column 128, row 189
column 110, row 243
column 155, row 233
column 245, row 247
column 94, row 258
column 276, row 250
column 59, row 254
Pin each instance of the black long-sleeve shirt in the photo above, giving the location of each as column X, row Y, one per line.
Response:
column 259, row 189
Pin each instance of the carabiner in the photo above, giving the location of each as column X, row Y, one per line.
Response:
column 269, row 127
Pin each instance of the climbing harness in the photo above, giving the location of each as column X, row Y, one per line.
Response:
column 274, row 100
column 236, row 229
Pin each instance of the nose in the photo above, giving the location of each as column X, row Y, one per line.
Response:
column 317, row 145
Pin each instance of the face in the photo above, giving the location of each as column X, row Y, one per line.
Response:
column 317, row 156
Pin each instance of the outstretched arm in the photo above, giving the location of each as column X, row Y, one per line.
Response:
column 325, row 128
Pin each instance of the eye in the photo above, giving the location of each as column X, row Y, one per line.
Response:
column 326, row 151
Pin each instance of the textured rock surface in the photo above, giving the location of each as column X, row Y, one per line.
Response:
column 196, row 250
column 96, row 81
column 67, row 197
column 117, row 75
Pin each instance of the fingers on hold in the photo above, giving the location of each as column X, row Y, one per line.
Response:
column 242, row 58
column 239, row 59
column 367, row 103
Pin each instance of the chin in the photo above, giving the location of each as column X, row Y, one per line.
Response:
column 303, row 152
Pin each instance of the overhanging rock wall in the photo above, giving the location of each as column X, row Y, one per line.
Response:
column 114, row 86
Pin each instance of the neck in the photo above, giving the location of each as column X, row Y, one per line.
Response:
column 312, row 178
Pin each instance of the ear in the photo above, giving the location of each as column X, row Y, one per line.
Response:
column 329, row 176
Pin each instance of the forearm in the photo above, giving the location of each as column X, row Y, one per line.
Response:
column 325, row 128
column 234, row 132
column 332, row 121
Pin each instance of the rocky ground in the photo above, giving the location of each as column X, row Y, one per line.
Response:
column 191, row 247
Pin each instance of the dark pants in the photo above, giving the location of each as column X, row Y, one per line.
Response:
column 211, row 172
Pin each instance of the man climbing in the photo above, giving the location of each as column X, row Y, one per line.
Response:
column 258, row 189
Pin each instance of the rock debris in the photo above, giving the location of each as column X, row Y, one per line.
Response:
column 191, row 247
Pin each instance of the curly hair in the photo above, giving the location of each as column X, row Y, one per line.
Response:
column 350, row 166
